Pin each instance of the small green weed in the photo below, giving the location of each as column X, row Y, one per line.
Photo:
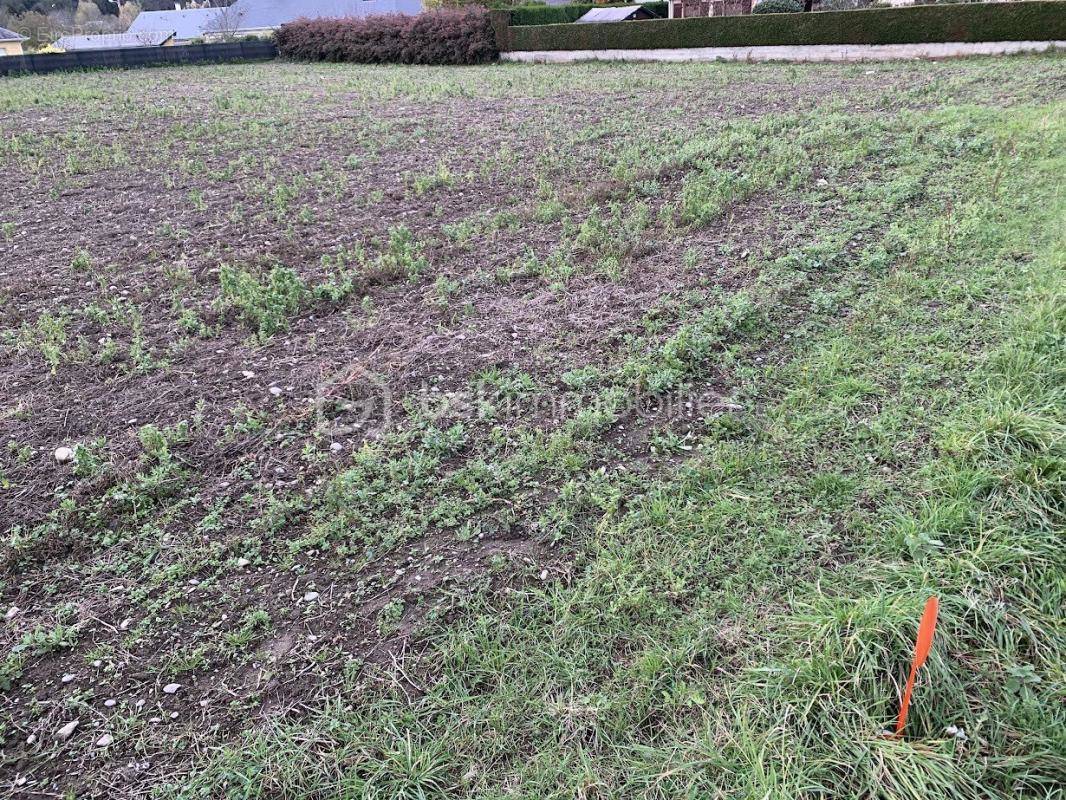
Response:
column 264, row 303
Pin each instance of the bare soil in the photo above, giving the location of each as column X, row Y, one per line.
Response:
column 163, row 176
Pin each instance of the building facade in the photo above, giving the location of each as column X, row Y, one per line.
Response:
column 10, row 43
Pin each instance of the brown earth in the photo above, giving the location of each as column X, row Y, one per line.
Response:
column 163, row 176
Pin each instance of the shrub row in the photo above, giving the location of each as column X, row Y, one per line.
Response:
column 1040, row 20
column 452, row 36
column 778, row 7
column 558, row 15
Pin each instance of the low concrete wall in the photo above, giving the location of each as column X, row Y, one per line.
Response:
column 811, row 52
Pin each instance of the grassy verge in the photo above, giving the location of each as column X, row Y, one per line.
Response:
column 737, row 624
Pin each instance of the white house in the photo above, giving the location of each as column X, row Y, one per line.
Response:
column 10, row 43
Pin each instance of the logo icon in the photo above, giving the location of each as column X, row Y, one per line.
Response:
column 352, row 402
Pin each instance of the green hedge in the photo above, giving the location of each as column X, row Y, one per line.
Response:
column 558, row 15
column 1040, row 20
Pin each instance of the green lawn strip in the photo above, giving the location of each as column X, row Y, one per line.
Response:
column 735, row 628
column 978, row 527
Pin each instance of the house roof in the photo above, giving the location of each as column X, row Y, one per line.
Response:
column 611, row 14
column 10, row 36
column 189, row 23
column 110, row 41
column 251, row 15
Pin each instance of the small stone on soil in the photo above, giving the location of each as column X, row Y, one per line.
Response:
column 171, row 688
column 242, row 563
column 68, row 677
column 11, row 612
column 111, row 703
column 105, row 740
column 66, row 731
column 336, row 447
column 64, row 455
column 310, row 597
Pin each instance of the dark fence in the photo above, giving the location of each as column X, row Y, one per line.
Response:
column 138, row 57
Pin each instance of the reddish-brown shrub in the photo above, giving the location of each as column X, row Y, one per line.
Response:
column 447, row 36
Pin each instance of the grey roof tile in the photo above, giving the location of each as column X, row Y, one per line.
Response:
column 110, row 41
column 10, row 36
column 610, row 14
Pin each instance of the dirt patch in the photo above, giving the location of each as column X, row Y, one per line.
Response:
column 303, row 504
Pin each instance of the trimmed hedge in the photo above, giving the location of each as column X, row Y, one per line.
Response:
column 558, row 15
column 1039, row 20
column 452, row 36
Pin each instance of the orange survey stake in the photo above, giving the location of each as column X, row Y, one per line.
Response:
column 921, row 652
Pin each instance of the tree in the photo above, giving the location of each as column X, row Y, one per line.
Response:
column 227, row 23
column 128, row 13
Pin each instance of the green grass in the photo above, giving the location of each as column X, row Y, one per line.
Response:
column 835, row 290
column 739, row 625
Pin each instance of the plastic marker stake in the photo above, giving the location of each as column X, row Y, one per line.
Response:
column 921, row 652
